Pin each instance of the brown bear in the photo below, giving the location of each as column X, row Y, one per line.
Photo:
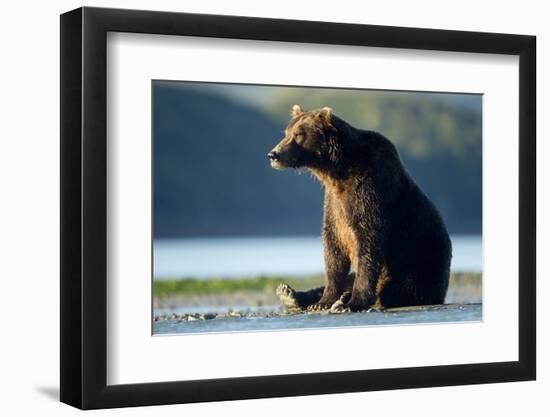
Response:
column 377, row 222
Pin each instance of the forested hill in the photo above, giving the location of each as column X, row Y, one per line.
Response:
column 212, row 178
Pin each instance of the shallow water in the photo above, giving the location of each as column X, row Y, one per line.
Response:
column 252, row 256
column 440, row 314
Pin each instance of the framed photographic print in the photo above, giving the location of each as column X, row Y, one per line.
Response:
column 256, row 208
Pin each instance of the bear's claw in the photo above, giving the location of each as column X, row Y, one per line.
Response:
column 319, row 307
column 339, row 305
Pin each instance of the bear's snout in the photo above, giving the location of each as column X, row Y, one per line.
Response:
column 275, row 158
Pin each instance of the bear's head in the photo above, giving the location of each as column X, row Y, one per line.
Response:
column 311, row 141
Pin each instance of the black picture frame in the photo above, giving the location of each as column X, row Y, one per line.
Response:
column 84, row 222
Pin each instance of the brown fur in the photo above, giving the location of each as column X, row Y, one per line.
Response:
column 377, row 222
column 343, row 230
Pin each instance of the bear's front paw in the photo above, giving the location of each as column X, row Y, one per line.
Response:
column 360, row 304
column 376, row 307
column 339, row 305
column 326, row 301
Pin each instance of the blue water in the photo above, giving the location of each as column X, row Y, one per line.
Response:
column 463, row 313
column 242, row 257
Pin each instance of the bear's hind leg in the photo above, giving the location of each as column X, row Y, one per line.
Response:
column 296, row 301
column 416, row 290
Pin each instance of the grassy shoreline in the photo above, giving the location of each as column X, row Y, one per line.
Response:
column 192, row 286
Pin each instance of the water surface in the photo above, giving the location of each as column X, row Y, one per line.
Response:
column 243, row 257
column 444, row 314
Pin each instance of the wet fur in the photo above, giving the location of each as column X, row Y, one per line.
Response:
column 377, row 222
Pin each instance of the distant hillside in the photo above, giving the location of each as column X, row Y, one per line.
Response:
column 211, row 176
column 421, row 125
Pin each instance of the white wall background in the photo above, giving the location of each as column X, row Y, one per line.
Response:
column 29, row 226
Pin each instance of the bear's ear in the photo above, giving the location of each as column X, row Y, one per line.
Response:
column 296, row 111
column 325, row 114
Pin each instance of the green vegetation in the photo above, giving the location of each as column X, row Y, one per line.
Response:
column 194, row 286
column 191, row 286
column 421, row 125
